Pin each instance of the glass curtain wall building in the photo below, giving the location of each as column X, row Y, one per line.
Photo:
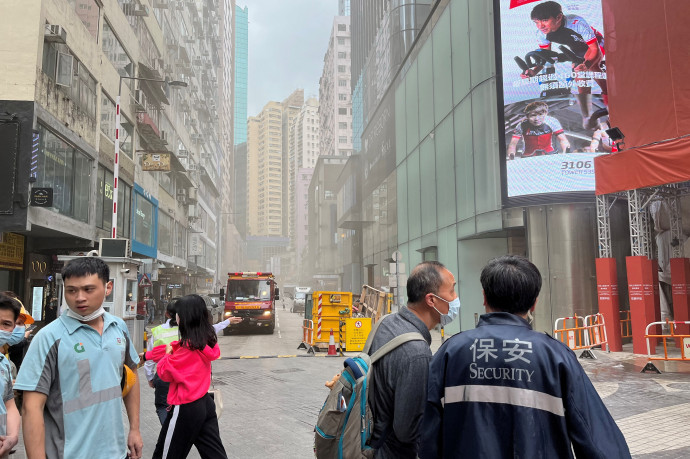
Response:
column 241, row 72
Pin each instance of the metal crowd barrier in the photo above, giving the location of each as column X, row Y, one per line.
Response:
column 682, row 339
column 587, row 332
column 307, row 336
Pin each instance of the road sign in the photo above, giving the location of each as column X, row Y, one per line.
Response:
column 145, row 281
column 394, row 279
column 398, row 268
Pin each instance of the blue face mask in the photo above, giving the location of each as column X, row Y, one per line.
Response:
column 17, row 335
column 5, row 337
column 453, row 310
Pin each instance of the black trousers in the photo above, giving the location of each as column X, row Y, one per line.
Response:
column 190, row 424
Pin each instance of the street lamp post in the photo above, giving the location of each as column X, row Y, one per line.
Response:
column 116, row 168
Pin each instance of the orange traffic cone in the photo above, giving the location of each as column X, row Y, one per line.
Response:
column 331, row 346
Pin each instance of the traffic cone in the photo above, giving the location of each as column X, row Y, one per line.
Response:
column 331, row 346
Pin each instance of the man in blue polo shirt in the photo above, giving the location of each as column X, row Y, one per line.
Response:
column 72, row 372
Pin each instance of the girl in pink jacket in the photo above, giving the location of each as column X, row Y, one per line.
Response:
column 186, row 365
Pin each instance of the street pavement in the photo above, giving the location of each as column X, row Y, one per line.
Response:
column 271, row 400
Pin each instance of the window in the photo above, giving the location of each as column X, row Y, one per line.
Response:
column 116, row 53
column 342, row 69
column 342, row 125
column 342, row 55
column 89, row 12
column 342, row 27
column 341, row 41
column 63, row 168
column 166, row 228
column 342, row 111
column 108, row 125
column 342, row 139
column 342, row 83
column 342, row 96
column 104, row 203
column 180, row 247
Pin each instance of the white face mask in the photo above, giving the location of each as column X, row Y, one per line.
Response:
column 94, row 315
column 453, row 310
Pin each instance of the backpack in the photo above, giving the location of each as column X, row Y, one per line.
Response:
column 345, row 423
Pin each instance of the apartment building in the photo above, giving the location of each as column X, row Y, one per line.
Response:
column 59, row 127
column 335, row 94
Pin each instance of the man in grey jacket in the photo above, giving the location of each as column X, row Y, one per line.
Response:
column 400, row 377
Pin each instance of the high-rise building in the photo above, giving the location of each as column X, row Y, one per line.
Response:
column 229, row 252
column 343, row 7
column 58, row 132
column 334, row 92
column 303, row 153
column 291, row 109
column 241, row 72
column 267, row 146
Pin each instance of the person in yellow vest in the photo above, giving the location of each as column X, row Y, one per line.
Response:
column 161, row 335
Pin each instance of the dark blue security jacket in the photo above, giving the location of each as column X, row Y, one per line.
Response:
column 504, row 390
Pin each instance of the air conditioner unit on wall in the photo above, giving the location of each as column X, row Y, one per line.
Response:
column 192, row 194
column 192, row 167
column 183, row 154
column 182, row 194
column 55, row 34
column 118, row 248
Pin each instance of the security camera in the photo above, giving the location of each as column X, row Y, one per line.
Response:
column 125, row 271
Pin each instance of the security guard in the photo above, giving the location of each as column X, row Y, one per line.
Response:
column 161, row 335
column 504, row 390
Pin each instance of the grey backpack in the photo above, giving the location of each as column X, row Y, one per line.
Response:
column 345, row 424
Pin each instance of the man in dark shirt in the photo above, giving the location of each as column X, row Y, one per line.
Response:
column 400, row 377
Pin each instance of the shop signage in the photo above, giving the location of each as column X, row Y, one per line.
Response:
column 42, row 197
column 156, row 162
column 12, row 251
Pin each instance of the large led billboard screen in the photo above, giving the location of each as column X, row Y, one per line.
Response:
column 554, row 94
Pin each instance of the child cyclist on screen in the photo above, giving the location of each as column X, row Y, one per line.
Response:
column 538, row 130
column 186, row 365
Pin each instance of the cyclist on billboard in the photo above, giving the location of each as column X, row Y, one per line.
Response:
column 538, row 130
column 585, row 42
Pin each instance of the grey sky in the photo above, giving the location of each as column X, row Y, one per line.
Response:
column 287, row 42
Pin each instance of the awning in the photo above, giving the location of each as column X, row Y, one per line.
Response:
column 183, row 179
column 642, row 167
column 154, row 88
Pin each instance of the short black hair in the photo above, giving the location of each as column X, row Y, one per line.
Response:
column 195, row 330
column 425, row 278
column 85, row 266
column 546, row 10
column 7, row 302
column 511, row 284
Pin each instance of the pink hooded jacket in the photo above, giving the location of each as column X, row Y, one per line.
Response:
column 187, row 371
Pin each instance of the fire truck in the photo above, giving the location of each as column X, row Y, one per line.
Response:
column 251, row 296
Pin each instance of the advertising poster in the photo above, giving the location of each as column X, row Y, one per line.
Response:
column 554, row 94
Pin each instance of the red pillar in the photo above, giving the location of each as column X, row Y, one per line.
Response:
column 607, row 289
column 680, row 280
column 641, row 276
